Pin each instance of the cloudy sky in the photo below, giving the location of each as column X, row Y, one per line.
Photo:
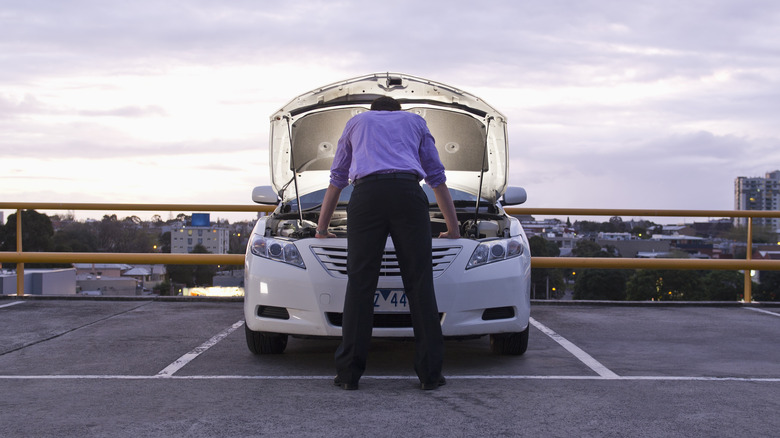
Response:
column 611, row 104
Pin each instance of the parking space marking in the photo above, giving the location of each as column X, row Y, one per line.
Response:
column 763, row 311
column 584, row 357
column 411, row 378
column 197, row 351
column 11, row 304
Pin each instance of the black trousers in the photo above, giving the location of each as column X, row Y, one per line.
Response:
column 398, row 208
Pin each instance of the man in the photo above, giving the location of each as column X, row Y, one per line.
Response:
column 385, row 152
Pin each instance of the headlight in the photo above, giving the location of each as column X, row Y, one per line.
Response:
column 496, row 250
column 274, row 249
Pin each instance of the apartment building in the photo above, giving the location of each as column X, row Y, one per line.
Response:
column 214, row 239
column 756, row 193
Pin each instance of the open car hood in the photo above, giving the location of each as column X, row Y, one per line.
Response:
column 462, row 125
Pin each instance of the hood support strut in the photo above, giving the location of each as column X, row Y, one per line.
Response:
column 474, row 228
column 295, row 173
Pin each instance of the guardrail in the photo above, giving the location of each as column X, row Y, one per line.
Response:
column 20, row 257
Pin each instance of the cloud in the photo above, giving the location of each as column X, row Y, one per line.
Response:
column 686, row 171
column 96, row 142
column 611, row 104
column 127, row 111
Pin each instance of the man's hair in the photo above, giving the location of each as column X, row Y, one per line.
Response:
column 385, row 103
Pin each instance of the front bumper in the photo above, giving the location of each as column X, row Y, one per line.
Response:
column 282, row 298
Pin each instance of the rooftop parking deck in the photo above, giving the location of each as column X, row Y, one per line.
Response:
column 85, row 367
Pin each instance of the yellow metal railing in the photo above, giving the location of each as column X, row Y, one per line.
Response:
column 20, row 258
column 621, row 263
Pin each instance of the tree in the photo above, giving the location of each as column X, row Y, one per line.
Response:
column 598, row 284
column 163, row 288
column 616, row 224
column 665, row 285
column 586, row 248
column 37, row 232
column 601, row 284
column 237, row 244
column 124, row 235
column 723, row 286
column 164, row 242
column 587, row 226
column 543, row 280
column 110, row 234
column 640, row 232
column 193, row 275
column 76, row 237
column 761, row 234
column 769, row 288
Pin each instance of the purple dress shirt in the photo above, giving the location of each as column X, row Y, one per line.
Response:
column 386, row 142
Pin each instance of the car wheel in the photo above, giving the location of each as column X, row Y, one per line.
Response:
column 264, row 342
column 510, row 343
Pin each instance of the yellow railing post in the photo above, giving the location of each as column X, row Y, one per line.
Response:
column 748, row 256
column 19, row 266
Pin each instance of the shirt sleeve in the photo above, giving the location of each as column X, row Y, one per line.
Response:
column 429, row 159
column 339, row 170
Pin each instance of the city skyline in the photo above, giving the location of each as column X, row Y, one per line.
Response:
column 610, row 105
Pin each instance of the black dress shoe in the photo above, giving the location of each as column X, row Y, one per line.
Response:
column 433, row 385
column 345, row 385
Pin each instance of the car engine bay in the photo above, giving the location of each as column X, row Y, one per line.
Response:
column 486, row 225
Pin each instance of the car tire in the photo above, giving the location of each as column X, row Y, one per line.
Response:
column 513, row 344
column 264, row 342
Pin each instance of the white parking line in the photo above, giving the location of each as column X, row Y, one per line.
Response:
column 763, row 311
column 187, row 358
column 584, row 357
column 11, row 304
column 412, row 378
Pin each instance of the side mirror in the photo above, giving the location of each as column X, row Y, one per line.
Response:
column 514, row 196
column 265, row 195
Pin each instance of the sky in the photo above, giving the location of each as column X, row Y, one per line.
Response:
column 610, row 104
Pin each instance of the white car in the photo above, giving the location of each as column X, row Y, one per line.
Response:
column 295, row 284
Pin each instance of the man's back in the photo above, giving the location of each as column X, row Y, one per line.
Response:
column 387, row 141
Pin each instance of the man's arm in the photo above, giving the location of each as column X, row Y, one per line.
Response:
column 447, row 207
column 326, row 211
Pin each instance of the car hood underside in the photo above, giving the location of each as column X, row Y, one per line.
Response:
column 470, row 134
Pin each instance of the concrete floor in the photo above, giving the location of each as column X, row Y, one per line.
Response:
column 181, row 368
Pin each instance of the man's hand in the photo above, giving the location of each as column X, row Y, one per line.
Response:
column 447, row 208
column 449, row 235
column 326, row 211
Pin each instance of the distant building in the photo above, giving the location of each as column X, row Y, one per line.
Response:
column 713, row 227
column 758, row 194
column 148, row 276
column 40, row 282
column 214, row 238
column 89, row 271
column 117, row 279
column 614, row 236
column 636, row 247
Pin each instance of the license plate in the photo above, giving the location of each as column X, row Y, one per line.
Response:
column 390, row 300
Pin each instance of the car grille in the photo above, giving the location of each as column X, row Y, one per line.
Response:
column 381, row 320
column 334, row 259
